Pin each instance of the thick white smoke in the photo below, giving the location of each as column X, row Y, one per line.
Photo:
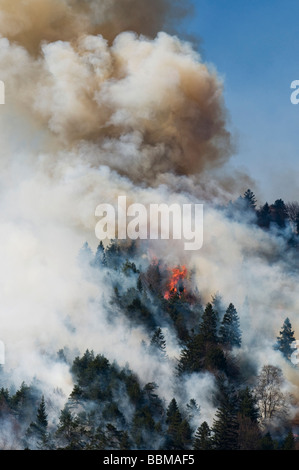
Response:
column 90, row 116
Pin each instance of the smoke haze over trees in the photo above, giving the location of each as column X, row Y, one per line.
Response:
column 134, row 345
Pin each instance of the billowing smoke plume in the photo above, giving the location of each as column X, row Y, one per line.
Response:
column 143, row 107
column 31, row 22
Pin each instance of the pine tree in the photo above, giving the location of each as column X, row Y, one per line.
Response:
column 225, row 426
column 248, row 413
column 208, row 326
column 264, row 216
column 202, row 438
column 173, row 413
column 250, row 199
column 218, row 308
column 289, row 442
column 85, row 256
column 36, row 434
column 267, row 442
column 42, row 417
column 192, row 355
column 173, row 420
column 248, row 407
column 100, row 257
column 158, row 342
column 193, row 410
column 285, row 339
column 68, row 429
column 279, row 213
column 230, row 333
column 178, row 434
column 201, row 351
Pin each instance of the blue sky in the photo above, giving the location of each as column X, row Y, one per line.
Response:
column 254, row 45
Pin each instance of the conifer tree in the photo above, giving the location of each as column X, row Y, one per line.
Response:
column 248, row 407
column 202, row 438
column 42, row 417
column 279, row 213
column 173, row 420
column 230, row 333
column 192, row 408
column 289, row 442
column 264, row 216
column 250, row 199
column 285, row 339
column 85, row 255
column 36, row 434
column 158, row 342
column 267, row 442
column 225, row 425
column 248, row 414
column 100, row 257
column 192, row 355
column 208, row 326
column 218, row 308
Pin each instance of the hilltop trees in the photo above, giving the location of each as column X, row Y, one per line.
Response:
column 205, row 350
column 250, row 199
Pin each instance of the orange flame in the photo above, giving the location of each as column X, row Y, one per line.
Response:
column 177, row 275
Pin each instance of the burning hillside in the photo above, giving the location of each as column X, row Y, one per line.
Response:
column 176, row 283
column 105, row 348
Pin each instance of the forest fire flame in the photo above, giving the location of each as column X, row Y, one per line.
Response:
column 178, row 274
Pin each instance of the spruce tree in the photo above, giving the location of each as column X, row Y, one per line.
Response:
column 158, row 342
column 285, row 339
column 248, row 413
column 42, row 417
column 208, row 326
column 36, row 434
column 100, row 257
column 250, row 199
column 279, row 213
column 267, row 442
column 289, row 442
column 174, row 421
column 192, row 355
column 264, row 216
column 230, row 333
column 248, row 407
column 202, row 438
column 173, row 414
column 225, row 425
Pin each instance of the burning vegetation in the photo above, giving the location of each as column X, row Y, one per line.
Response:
column 175, row 285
